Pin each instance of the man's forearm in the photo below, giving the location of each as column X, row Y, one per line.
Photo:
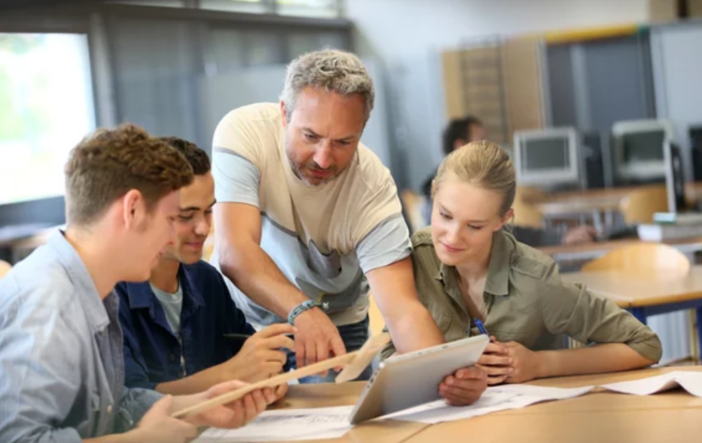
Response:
column 607, row 357
column 257, row 276
column 415, row 329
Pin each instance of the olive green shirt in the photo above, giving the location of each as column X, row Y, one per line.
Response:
column 526, row 301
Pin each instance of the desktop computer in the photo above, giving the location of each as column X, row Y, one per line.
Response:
column 638, row 151
column 547, row 158
column 695, row 134
column 679, row 221
column 592, row 154
column 674, row 178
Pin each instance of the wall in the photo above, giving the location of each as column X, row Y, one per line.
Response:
column 406, row 37
column 677, row 61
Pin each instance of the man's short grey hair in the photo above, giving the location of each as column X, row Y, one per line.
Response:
column 331, row 69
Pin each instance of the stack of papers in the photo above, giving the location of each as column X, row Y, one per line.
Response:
column 286, row 425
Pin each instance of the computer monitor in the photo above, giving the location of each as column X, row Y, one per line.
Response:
column 695, row 134
column 637, row 148
column 674, row 177
column 547, row 157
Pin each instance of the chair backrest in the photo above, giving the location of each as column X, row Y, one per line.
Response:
column 640, row 205
column 642, row 259
column 525, row 213
column 414, row 205
column 377, row 323
column 4, row 268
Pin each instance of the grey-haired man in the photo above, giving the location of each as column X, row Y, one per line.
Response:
column 308, row 218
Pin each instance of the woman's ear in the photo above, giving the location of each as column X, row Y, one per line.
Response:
column 507, row 217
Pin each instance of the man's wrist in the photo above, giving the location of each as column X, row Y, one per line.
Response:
column 301, row 308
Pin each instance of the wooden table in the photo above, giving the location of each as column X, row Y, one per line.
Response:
column 595, row 202
column 600, row 417
column 596, row 417
column 594, row 250
column 643, row 297
column 580, row 204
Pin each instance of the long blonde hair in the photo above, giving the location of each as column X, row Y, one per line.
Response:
column 483, row 164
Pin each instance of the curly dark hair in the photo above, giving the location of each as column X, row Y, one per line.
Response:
column 109, row 163
column 197, row 158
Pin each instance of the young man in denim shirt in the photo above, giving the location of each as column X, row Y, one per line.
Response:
column 61, row 355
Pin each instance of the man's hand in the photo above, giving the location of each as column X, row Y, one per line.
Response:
column 157, row 426
column 316, row 338
column 525, row 362
column 464, row 387
column 496, row 362
column 262, row 355
column 232, row 415
column 580, row 235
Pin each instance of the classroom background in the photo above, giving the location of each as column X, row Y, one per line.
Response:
column 597, row 101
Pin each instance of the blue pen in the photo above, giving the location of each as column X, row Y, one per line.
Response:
column 480, row 326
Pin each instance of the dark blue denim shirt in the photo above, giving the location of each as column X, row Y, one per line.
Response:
column 153, row 354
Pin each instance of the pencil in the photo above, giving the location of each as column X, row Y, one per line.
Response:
column 246, row 336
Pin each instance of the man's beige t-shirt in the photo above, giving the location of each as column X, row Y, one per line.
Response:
column 323, row 239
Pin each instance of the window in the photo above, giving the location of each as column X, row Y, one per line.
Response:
column 311, row 8
column 46, row 105
column 250, row 6
column 308, row 8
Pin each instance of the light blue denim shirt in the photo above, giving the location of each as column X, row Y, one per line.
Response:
column 61, row 358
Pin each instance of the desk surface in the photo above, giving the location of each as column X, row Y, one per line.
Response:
column 633, row 291
column 600, row 248
column 577, row 205
column 596, row 417
column 582, row 201
column 599, row 416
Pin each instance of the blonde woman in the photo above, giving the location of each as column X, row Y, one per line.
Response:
column 471, row 272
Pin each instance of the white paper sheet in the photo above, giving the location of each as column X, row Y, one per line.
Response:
column 500, row 398
column 286, row 425
column 689, row 381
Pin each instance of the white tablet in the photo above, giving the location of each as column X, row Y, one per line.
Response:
column 413, row 379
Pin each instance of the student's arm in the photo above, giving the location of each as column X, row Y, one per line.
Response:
column 621, row 342
column 259, row 358
column 158, row 425
column 137, row 374
column 606, row 357
column 571, row 309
